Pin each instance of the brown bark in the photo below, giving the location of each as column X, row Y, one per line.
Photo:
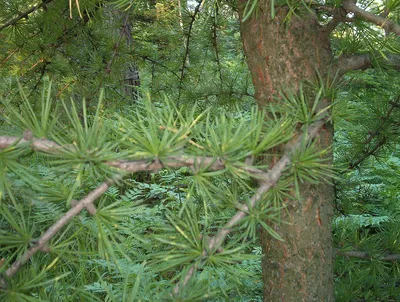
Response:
column 280, row 56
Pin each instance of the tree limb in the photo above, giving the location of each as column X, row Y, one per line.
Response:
column 146, row 58
column 37, row 144
column 86, row 202
column 132, row 166
column 339, row 15
column 367, row 256
column 24, row 14
column 266, row 181
column 388, row 25
column 214, row 42
column 354, row 62
column 348, row 63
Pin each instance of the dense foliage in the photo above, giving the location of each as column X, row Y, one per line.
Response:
column 367, row 194
column 120, row 84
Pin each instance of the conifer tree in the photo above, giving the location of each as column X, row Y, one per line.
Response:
column 73, row 222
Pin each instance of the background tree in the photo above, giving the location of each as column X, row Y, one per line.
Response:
column 315, row 41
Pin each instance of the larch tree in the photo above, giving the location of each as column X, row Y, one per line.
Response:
column 287, row 44
column 296, row 51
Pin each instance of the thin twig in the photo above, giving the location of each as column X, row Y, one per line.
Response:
column 371, row 135
column 214, row 42
column 24, row 14
column 186, row 55
column 86, row 202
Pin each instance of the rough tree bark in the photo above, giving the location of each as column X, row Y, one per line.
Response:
column 280, row 56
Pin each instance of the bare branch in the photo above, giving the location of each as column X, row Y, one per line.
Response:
column 37, row 144
column 123, row 33
column 338, row 14
column 367, row 256
column 364, row 61
column 146, row 58
column 214, row 42
column 24, row 14
column 353, row 62
column 388, row 25
column 193, row 162
column 336, row 20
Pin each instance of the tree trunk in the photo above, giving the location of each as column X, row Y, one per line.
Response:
column 132, row 78
column 280, row 56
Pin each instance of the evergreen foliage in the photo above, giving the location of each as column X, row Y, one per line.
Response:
column 173, row 183
column 367, row 192
column 144, row 230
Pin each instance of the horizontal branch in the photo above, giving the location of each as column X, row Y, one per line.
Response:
column 388, row 25
column 348, row 63
column 37, row 144
column 24, row 14
column 132, row 166
column 266, row 180
column 367, row 256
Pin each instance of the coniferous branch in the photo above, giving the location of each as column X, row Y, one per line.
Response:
column 222, row 93
column 41, row 243
column 59, row 41
column 9, row 56
column 267, row 181
column 41, row 75
column 24, row 14
column 193, row 162
column 381, row 142
column 388, row 25
column 146, row 58
column 384, row 120
column 64, row 87
column 373, row 134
